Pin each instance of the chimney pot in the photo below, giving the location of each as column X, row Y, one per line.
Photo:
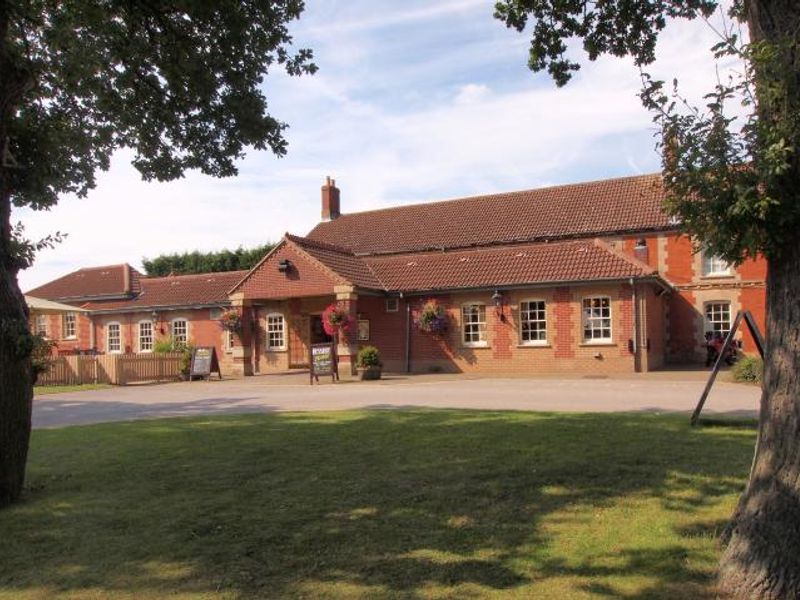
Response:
column 330, row 200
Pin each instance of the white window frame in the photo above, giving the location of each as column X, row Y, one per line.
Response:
column 141, row 347
column 227, row 340
column 540, row 318
column 711, row 323
column 392, row 305
column 119, row 337
column 591, row 322
column 270, row 321
column 468, row 325
column 185, row 334
column 40, row 325
column 69, row 326
column 714, row 266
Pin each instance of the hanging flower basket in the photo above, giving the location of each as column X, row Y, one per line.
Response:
column 231, row 321
column 336, row 319
column 432, row 318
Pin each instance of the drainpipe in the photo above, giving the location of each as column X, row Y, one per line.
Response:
column 635, row 300
column 408, row 336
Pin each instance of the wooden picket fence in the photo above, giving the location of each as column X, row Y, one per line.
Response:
column 116, row 369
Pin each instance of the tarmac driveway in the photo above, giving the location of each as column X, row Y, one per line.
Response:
column 650, row 392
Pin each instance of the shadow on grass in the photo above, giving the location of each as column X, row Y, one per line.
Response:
column 399, row 504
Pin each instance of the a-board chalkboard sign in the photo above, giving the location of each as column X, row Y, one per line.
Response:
column 204, row 362
column 322, row 361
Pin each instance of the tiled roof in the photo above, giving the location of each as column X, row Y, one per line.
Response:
column 206, row 289
column 597, row 208
column 339, row 260
column 526, row 264
column 93, row 282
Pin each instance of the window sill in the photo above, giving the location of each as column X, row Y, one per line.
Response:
column 718, row 276
column 476, row 346
column 534, row 346
column 597, row 344
column 275, row 350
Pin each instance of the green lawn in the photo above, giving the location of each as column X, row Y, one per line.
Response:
column 42, row 390
column 382, row 504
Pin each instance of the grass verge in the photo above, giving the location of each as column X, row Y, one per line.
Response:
column 394, row 504
column 43, row 390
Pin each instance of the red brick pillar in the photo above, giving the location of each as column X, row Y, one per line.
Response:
column 242, row 343
column 347, row 347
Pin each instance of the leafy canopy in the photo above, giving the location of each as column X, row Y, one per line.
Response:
column 178, row 82
column 732, row 181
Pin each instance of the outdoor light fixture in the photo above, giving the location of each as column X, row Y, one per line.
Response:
column 284, row 266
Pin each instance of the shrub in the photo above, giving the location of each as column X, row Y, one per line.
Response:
column 164, row 345
column 41, row 355
column 369, row 356
column 748, row 369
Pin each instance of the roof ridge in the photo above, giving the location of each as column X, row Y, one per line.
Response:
column 187, row 275
column 301, row 240
column 500, row 194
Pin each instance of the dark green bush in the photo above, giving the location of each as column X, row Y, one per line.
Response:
column 369, row 356
column 748, row 369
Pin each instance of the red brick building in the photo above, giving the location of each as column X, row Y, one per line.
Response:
column 590, row 277
column 126, row 312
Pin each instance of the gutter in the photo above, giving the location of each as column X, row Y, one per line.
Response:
column 166, row 307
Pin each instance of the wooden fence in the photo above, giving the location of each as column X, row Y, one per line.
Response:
column 116, row 369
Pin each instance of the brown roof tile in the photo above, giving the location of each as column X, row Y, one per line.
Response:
column 92, row 282
column 206, row 289
column 577, row 210
column 526, row 264
column 339, row 260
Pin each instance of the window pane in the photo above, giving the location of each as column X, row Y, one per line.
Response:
column 114, row 337
column 718, row 317
column 597, row 318
column 276, row 339
column 533, row 324
column 474, row 323
column 146, row 336
column 180, row 331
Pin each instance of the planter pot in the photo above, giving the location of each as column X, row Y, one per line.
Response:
column 369, row 373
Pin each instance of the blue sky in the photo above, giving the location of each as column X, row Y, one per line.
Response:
column 414, row 101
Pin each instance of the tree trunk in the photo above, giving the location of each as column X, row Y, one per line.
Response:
column 762, row 559
column 16, row 384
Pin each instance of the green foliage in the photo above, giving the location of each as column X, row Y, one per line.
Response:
column 164, row 345
column 369, row 356
column 180, row 84
column 624, row 27
column 748, row 369
column 41, row 354
column 205, row 262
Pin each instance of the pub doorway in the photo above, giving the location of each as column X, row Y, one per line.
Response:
column 318, row 335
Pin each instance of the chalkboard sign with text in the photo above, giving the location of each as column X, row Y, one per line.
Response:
column 322, row 361
column 204, row 362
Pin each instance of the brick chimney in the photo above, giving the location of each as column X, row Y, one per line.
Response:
column 330, row 200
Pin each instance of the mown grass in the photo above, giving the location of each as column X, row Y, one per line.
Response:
column 42, row 390
column 381, row 504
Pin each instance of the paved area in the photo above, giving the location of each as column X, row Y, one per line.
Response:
column 656, row 392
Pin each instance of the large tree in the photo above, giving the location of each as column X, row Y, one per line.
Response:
column 177, row 82
column 735, row 184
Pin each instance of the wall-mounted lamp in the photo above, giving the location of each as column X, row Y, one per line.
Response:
column 284, row 266
column 154, row 316
column 498, row 300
